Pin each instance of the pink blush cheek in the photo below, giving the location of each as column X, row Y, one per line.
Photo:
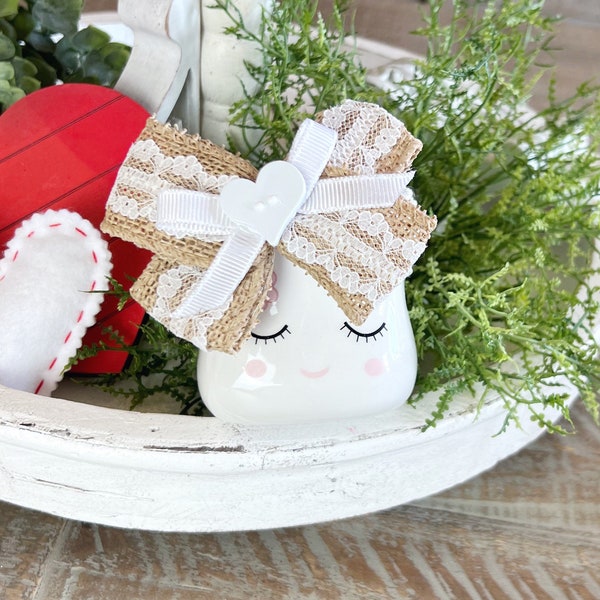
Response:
column 255, row 368
column 375, row 367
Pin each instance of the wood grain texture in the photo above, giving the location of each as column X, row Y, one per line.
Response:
column 530, row 528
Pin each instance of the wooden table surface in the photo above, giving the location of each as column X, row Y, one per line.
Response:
column 529, row 528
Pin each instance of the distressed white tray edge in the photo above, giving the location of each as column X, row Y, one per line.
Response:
column 178, row 473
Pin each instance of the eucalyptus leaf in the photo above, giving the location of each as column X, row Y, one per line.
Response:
column 8, row 29
column 90, row 56
column 42, row 42
column 68, row 56
column 7, row 47
column 115, row 55
column 29, row 84
column 23, row 23
column 57, row 16
column 98, row 67
column 9, row 94
column 7, row 71
column 88, row 39
column 23, row 68
column 30, row 56
column 8, row 7
column 45, row 73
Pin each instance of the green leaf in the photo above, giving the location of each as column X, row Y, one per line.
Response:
column 45, row 73
column 88, row 39
column 90, row 56
column 106, row 64
column 42, row 42
column 23, row 67
column 44, row 32
column 68, row 56
column 8, row 7
column 116, row 55
column 8, row 29
column 7, row 72
column 9, row 94
column 160, row 364
column 24, row 24
column 7, row 48
column 26, row 75
column 57, row 16
column 29, row 84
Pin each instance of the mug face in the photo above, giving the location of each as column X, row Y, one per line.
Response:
column 305, row 361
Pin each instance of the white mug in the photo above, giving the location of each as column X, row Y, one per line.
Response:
column 305, row 362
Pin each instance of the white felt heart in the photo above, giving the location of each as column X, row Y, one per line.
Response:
column 48, row 271
column 267, row 205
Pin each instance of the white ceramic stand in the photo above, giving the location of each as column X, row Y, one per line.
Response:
column 175, row 473
column 182, row 65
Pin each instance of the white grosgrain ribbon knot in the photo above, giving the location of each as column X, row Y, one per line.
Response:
column 247, row 214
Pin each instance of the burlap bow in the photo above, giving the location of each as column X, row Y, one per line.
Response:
column 351, row 222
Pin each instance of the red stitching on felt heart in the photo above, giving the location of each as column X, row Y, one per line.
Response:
column 40, row 385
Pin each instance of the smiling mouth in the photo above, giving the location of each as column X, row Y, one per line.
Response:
column 315, row 374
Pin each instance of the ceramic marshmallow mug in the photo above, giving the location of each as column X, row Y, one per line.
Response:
column 290, row 280
column 305, row 361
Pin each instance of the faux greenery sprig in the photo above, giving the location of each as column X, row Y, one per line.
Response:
column 160, row 365
column 500, row 303
column 40, row 45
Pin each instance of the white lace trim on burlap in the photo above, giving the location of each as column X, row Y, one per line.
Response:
column 147, row 171
column 169, row 298
column 355, row 123
column 387, row 260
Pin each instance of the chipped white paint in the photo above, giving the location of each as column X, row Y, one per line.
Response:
column 170, row 472
column 174, row 473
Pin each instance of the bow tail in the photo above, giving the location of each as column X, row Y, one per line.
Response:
column 165, row 286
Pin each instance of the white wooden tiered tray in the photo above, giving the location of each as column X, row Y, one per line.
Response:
column 168, row 472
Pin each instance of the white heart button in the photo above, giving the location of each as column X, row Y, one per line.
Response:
column 267, row 205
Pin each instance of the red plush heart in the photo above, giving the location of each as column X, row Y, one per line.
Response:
column 61, row 147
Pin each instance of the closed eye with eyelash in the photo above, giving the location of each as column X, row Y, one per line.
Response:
column 271, row 337
column 364, row 336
